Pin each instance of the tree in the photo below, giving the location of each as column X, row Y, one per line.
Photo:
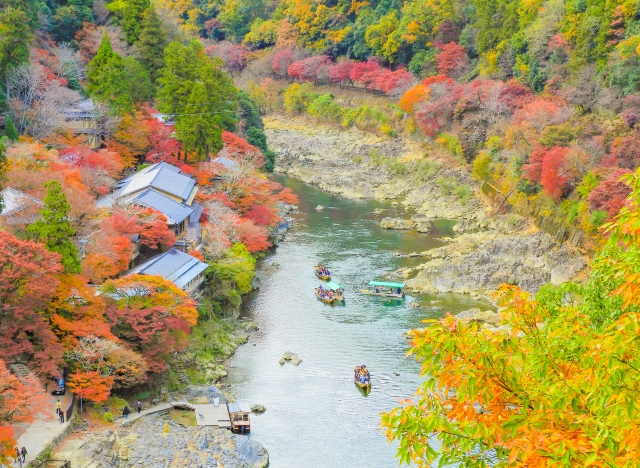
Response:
column 106, row 78
column 54, row 228
column 150, row 314
column 550, row 387
column 14, row 40
column 152, row 43
column 22, row 400
column 452, row 60
column 140, row 87
column 91, row 385
column 131, row 14
column 610, row 195
column 199, row 131
column 553, row 177
column 28, row 281
column 10, row 129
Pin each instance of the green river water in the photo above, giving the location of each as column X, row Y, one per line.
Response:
column 316, row 416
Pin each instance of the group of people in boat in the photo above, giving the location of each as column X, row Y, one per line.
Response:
column 324, row 293
column 380, row 290
column 361, row 374
column 323, row 270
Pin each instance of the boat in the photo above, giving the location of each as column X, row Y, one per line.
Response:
column 326, row 296
column 337, row 290
column 361, row 377
column 239, row 416
column 323, row 276
column 384, row 289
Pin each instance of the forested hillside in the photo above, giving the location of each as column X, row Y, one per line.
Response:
column 538, row 96
column 93, row 93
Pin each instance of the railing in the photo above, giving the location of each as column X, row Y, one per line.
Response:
column 51, row 463
column 69, row 411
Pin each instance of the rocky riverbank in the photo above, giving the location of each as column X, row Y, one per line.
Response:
column 167, row 439
column 488, row 249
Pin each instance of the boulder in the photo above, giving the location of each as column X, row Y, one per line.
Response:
column 282, row 361
column 423, row 222
column 319, row 208
column 477, row 315
column 378, row 211
column 296, row 361
column 288, row 356
column 258, row 409
column 397, row 223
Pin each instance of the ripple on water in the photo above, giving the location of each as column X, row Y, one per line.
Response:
column 316, row 416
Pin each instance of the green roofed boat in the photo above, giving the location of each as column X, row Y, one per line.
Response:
column 330, row 294
column 384, row 289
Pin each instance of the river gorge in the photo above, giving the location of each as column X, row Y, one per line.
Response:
column 316, row 416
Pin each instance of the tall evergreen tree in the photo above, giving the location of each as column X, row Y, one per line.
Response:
column 199, row 130
column 130, row 13
column 140, row 87
column 54, row 228
column 106, row 78
column 3, row 167
column 152, row 43
column 10, row 130
column 15, row 38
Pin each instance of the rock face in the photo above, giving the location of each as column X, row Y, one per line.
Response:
column 156, row 442
column 423, row 223
column 397, row 223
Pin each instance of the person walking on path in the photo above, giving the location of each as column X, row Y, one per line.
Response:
column 139, row 406
column 126, row 412
column 24, row 454
column 58, row 407
column 18, row 457
column 61, row 417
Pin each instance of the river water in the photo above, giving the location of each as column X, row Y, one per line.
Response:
column 316, row 416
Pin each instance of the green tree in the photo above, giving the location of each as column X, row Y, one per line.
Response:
column 130, row 13
column 199, row 130
column 152, row 43
column 54, row 228
column 140, row 87
column 193, row 88
column 107, row 80
column 68, row 18
column 10, row 130
column 14, row 40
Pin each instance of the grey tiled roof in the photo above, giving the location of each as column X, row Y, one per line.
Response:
column 176, row 266
column 14, row 200
column 161, row 176
column 174, row 211
column 197, row 212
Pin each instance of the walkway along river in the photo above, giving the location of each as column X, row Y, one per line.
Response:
column 316, row 416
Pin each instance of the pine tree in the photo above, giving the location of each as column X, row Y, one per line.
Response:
column 54, row 228
column 14, row 40
column 140, row 86
column 106, row 78
column 130, row 13
column 199, row 130
column 10, row 129
column 152, row 43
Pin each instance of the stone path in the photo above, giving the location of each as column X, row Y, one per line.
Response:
column 135, row 415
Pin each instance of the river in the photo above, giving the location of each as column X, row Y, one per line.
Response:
column 316, row 416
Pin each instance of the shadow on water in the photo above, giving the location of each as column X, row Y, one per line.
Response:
column 316, row 416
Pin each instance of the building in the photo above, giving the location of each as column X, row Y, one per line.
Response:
column 18, row 207
column 183, row 270
column 80, row 119
column 166, row 189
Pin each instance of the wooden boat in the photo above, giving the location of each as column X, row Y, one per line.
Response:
column 324, row 298
column 384, row 289
column 337, row 290
column 366, row 385
column 317, row 269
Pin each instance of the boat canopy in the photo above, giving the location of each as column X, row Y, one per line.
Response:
column 388, row 285
column 333, row 286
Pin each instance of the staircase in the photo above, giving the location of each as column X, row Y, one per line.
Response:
column 20, row 370
column 178, row 368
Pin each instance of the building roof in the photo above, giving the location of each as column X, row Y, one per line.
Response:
column 14, row 201
column 81, row 110
column 197, row 212
column 241, row 406
column 161, row 176
column 175, row 212
column 178, row 267
column 226, row 162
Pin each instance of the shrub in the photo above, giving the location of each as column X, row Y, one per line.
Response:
column 482, row 167
column 297, row 97
column 324, row 108
column 463, row 193
column 598, row 218
column 450, row 143
column 589, row 182
column 425, row 170
column 142, row 395
column 107, row 417
column 447, row 184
